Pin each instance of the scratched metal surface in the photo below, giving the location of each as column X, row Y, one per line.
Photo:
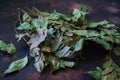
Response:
column 98, row 9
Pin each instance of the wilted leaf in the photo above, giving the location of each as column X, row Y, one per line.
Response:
column 36, row 39
column 64, row 52
column 17, row 65
column 10, row 48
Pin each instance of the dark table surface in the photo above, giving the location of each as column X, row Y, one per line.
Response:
column 98, row 10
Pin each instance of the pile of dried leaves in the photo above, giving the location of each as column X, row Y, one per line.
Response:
column 54, row 36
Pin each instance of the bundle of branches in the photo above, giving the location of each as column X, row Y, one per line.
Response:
column 54, row 36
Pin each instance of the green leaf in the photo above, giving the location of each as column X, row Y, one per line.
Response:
column 79, row 45
column 86, row 33
column 39, row 23
column 25, row 26
column 69, row 63
column 55, row 15
column 109, row 26
column 117, row 50
column 96, row 74
column 103, row 43
column 17, row 65
column 76, row 15
column 84, row 9
column 104, row 24
column 92, row 24
column 10, row 48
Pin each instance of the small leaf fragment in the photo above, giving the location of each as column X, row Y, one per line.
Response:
column 10, row 48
